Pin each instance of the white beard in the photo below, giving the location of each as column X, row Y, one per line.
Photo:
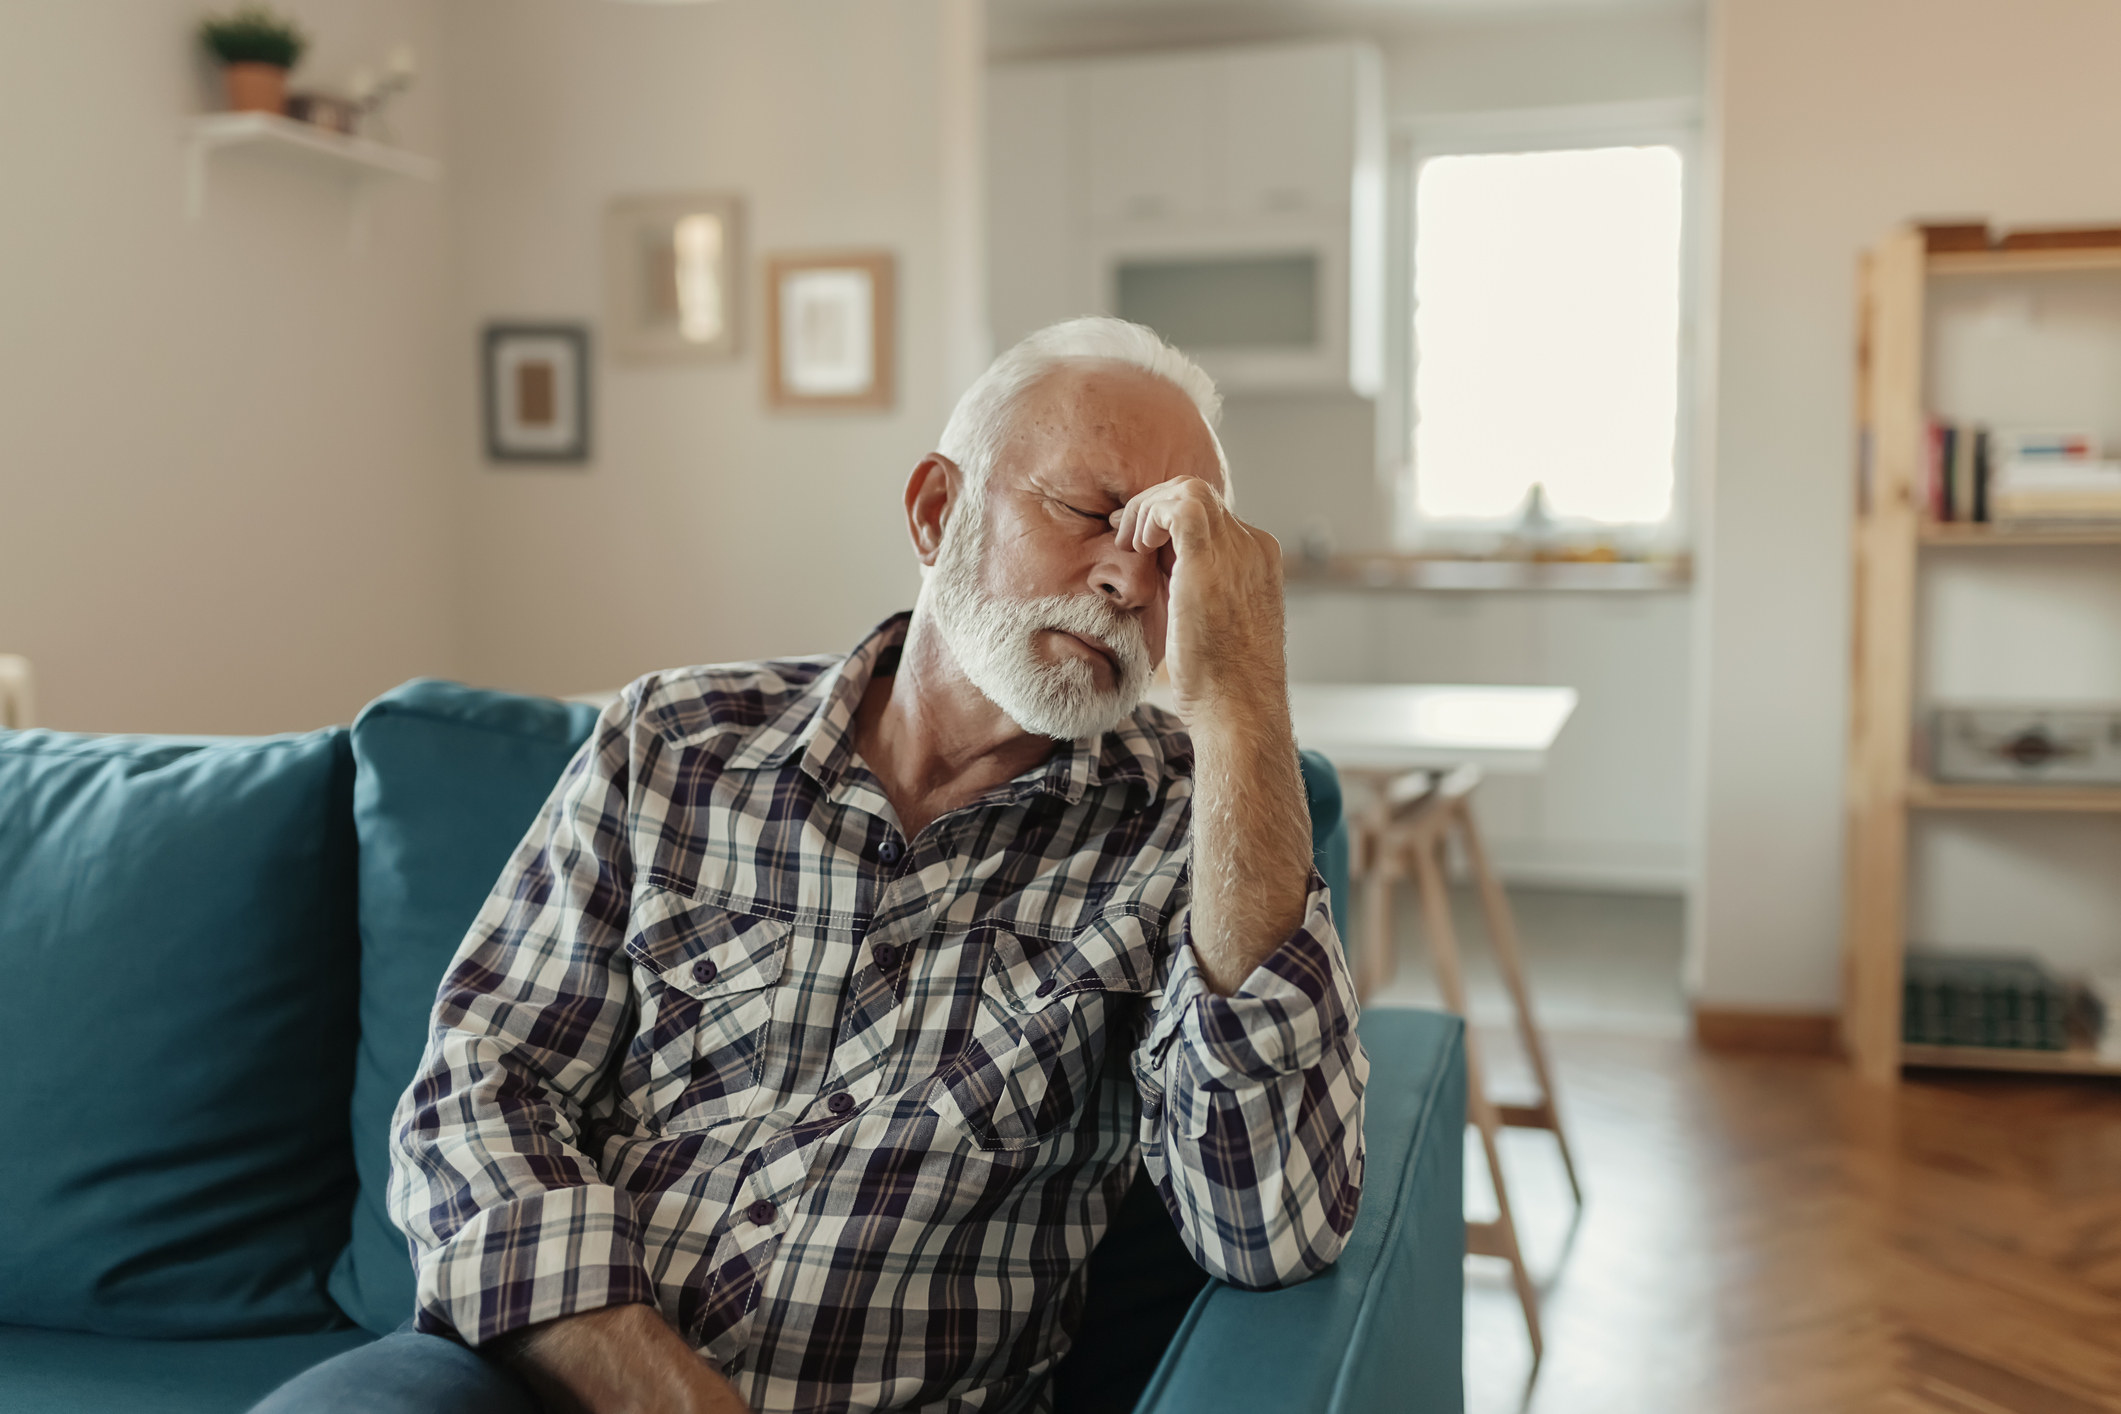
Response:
column 994, row 639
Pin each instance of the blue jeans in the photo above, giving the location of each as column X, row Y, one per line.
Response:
column 403, row 1373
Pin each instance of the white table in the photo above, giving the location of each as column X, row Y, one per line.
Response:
column 1375, row 728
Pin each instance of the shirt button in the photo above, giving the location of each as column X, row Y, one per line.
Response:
column 760, row 1212
column 1045, row 988
column 840, row 1103
column 890, row 851
column 703, row 971
column 886, row 957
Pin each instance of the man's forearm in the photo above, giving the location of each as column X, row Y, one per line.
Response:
column 1256, row 1087
column 617, row 1360
column 1251, row 839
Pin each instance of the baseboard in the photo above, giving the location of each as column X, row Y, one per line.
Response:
column 1595, row 877
column 1787, row 1032
column 1609, row 867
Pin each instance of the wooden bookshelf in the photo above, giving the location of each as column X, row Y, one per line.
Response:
column 2024, row 262
column 1926, row 794
column 1459, row 574
column 1990, row 537
column 1892, row 531
column 2077, row 1060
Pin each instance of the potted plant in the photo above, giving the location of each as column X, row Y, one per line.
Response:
column 256, row 48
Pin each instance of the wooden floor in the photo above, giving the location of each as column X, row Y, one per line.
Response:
column 1765, row 1234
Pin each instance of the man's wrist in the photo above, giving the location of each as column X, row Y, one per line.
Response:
column 1244, row 717
column 616, row 1358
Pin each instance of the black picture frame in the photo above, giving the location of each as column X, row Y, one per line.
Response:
column 509, row 438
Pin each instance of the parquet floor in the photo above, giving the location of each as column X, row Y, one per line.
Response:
column 1764, row 1234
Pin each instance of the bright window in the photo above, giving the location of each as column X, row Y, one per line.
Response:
column 1546, row 332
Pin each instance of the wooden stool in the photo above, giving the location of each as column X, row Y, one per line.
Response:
column 1409, row 822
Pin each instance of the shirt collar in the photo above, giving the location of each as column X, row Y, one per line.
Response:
column 816, row 729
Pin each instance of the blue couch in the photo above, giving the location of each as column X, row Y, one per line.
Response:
column 216, row 962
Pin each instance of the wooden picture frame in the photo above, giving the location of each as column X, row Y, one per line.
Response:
column 671, row 287
column 535, row 392
column 831, row 330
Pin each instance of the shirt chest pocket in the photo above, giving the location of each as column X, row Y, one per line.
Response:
column 705, row 978
column 1049, row 1012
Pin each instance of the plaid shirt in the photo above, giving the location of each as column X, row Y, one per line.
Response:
column 852, row 1109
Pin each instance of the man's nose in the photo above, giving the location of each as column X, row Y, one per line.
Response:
column 1128, row 578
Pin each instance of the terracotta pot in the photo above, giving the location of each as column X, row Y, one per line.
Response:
column 256, row 88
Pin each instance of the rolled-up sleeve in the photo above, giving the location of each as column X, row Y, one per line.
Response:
column 509, row 1220
column 1252, row 1106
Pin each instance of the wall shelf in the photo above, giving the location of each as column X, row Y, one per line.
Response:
column 1986, row 537
column 1926, row 794
column 355, row 158
column 2024, row 262
column 2079, row 1059
column 1435, row 574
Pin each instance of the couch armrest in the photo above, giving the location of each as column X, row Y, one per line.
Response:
column 1383, row 1329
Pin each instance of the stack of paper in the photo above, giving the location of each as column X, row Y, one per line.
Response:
column 2034, row 490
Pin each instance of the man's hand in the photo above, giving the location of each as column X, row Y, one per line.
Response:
column 1229, row 667
column 1224, row 641
column 619, row 1360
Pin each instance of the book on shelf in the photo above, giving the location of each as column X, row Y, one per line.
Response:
column 1956, row 480
column 2019, row 477
column 2018, row 444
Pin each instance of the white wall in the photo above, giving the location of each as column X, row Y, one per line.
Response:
column 223, row 504
column 1840, row 118
column 242, row 486
column 706, row 527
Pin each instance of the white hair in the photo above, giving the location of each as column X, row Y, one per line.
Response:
column 979, row 426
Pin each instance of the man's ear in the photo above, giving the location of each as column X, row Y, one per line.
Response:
column 931, row 495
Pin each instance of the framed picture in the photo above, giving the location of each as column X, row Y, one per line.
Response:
column 830, row 330
column 670, row 277
column 537, row 392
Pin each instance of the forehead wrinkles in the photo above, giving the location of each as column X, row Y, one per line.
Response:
column 1103, row 421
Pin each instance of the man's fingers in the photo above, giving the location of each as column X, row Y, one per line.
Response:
column 1173, row 520
column 1170, row 511
column 1151, row 527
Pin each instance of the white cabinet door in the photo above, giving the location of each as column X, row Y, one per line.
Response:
column 1155, row 140
column 1289, row 116
column 1034, row 198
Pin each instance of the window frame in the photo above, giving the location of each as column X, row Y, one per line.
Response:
column 1415, row 140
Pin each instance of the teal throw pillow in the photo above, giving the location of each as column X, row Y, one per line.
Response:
column 450, row 779
column 177, row 973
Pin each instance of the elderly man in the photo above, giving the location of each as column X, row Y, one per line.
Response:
column 800, row 1055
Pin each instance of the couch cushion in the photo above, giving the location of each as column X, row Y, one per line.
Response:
column 177, row 956
column 1329, row 830
column 66, row 1372
column 449, row 780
